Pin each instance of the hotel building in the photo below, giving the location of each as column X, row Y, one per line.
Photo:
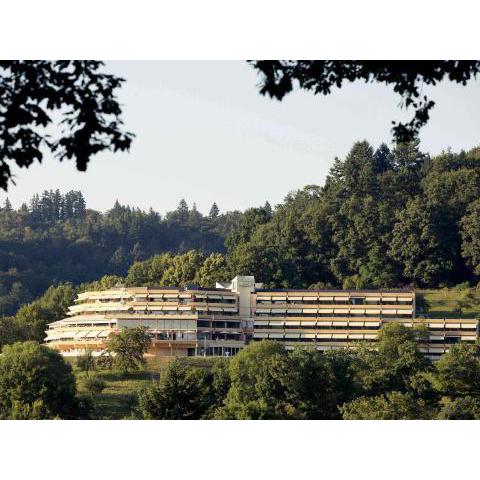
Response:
column 220, row 321
column 181, row 321
column 332, row 319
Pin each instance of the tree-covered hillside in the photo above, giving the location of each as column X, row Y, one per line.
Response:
column 56, row 238
column 383, row 218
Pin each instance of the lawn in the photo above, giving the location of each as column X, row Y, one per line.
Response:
column 449, row 302
column 118, row 399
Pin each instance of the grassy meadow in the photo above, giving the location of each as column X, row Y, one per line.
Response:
column 449, row 303
column 118, row 399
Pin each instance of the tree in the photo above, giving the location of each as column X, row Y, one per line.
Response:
column 457, row 373
column 391, row 406
column 10, row 331
column 267, row 382
column 36, row 382
column 279, row 77
column 288, row 249
column 182, row 393
column 214, row 211
column 119, row 260
column 214, row 269
column 105, row 283
column 195, row 218
column 320, row 384
column 419, row 244
column 149, row 272
column 183, row 269
column 268, row 209
column 86, row 362
column 31, row 92
column 34, row 317
column 128, row 348
column 394, row 361
column 470, row 232
column 259, row 384
column 182, row 211
column 219, row 384
column 138, row 253
column 461, row 408
column 251, row 218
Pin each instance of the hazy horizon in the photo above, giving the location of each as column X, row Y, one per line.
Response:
column 204, row 133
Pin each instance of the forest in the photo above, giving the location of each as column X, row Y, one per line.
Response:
column 384, row 218
column 56, row 238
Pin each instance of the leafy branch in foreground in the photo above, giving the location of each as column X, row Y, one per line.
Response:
column 278, row 77
column 83, row 97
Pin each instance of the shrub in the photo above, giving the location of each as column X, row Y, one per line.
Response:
column 94, row 385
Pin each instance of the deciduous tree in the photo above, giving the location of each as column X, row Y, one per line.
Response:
column 390, row 406
column 36, row 382
column 128, row 348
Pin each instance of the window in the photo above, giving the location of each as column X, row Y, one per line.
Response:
column 357, row 300
column 451, row 340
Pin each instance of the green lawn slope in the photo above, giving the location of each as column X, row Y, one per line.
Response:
column 449, row 303
column 118, row 399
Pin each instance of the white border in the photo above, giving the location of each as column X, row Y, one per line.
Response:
column 222, row 29
column 238, row 450
column 214, row 29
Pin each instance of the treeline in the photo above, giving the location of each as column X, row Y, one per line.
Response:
column 384, row 218
column 56, row 238
column 392, row 381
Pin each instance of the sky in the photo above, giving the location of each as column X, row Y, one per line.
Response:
column 204, row 133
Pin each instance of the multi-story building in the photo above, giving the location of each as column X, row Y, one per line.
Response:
column 333, row 319
column 220, row 321
column 181, row 321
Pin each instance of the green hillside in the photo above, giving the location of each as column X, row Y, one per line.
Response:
column 449, row 302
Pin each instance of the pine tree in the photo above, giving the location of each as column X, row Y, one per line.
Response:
column 182, row 206
column 57, row 205
column 194, row 216
column 182, row 211
column 80, row 205
column 138, row 252
column 268, row 209
column 35, row 207
column 68, row 205
column 214, row 211
column 24, row 209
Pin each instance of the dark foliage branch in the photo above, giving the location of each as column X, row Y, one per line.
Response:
column 279, row 77
column 31, row 92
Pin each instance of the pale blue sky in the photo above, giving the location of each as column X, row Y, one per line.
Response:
column 204, row 133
